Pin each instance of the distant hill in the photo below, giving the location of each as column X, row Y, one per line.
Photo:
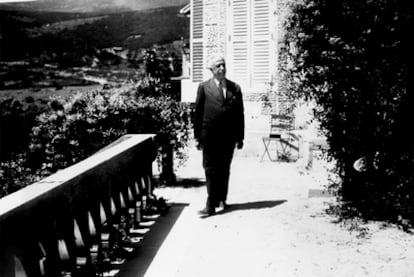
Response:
column 91, row 5
column 25, row 34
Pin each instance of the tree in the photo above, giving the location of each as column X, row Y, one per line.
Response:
column 355, row 59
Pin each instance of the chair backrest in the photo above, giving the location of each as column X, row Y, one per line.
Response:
column 281, row 124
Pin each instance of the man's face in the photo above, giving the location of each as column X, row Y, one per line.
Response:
column 219, row 71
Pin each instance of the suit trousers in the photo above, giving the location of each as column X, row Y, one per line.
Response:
column 217, row 159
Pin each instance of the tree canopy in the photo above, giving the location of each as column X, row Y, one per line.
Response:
column 355, row 59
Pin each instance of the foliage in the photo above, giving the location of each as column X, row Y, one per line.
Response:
column 77, row 126
column 155, row 67
column 14, row 175
column 13, row 113
column 355, row 59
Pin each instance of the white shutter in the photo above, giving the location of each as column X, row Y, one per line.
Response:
column 250, row 46
column 239, row 41
column 261, row 51
column 197, row 40
column 197, row 66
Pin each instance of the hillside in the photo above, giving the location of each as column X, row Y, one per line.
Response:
column 91, row 5
column 54, row 33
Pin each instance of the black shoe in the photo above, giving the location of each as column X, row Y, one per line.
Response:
column 207, row 212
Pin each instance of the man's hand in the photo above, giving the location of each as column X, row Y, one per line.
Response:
column 239, row 144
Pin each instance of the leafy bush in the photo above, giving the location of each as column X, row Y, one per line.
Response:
column 355, row 59
column 77, row 126
column 13, row 113
column 14, row 175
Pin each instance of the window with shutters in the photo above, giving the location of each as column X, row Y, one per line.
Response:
column 197, row 40
column 249, row 46
column 246, row 41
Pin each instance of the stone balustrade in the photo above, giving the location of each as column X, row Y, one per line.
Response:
column 82, row 220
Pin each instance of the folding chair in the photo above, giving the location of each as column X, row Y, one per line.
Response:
column 286, row 142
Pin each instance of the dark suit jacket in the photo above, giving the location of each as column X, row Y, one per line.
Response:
column 218, row 119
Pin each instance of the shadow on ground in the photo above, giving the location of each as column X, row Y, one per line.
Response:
column 138, row 264
column 252, row 206
column 189, row 182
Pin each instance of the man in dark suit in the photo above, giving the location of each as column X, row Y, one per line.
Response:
column 218, row 129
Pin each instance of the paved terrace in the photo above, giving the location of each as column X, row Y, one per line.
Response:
column 276, row 226
column 252, row 238
column 256, row 236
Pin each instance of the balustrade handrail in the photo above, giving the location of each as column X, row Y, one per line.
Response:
column 13, row 201
column 73, row 205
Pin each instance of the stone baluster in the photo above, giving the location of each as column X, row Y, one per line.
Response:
column 66, row 268
column 83, row 266
column 62, row 224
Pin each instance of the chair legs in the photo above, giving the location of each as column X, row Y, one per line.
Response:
column 284, row 148
column 266, row 143
column 288, row 145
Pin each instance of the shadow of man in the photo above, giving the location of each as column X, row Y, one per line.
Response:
column 252, row 206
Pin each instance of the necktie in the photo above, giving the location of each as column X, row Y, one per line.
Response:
column 221, row 90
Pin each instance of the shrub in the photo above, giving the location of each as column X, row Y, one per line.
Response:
column 77, row 126
column 355, row 59
column 14, row 174
column 13, row 113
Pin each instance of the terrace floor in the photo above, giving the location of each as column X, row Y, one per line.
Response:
column 254, row 237
column 275, row 226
